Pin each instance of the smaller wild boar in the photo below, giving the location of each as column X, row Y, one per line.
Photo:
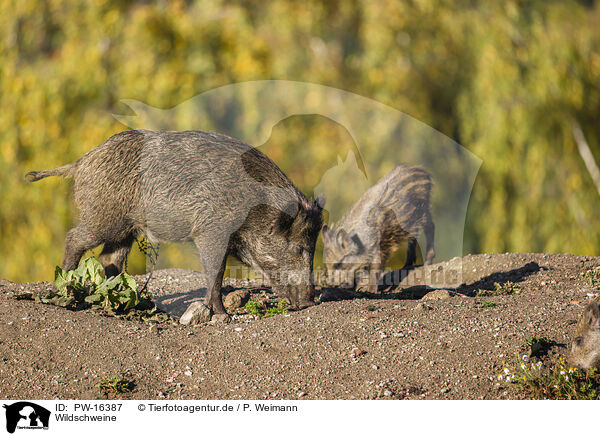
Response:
column 585, row 350
column 223, row 195
column 394, row 210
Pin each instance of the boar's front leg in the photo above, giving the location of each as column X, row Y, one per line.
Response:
column 429, row 236
column 411, row 252
column 213, row 260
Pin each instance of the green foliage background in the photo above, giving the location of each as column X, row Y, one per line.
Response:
column 507, row 80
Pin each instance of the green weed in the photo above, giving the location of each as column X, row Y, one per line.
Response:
column 260, row 309
column 553, row 382
column 506, row 288
column 115, row 384
column 593, row 277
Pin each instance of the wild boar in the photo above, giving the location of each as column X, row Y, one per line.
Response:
column 223, row 195
column 395, row 209
column 585, row 350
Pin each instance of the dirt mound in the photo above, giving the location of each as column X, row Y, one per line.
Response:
column 450, row 344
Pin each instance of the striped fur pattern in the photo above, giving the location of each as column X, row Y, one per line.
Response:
column 585, row 349
column 390, row 213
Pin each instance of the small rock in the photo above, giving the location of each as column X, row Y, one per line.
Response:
column 221, row 318
column 236, row 299
column 188, row 373
column 422, row 307
column 196, row 313
column 438, row 294
column 387, row 393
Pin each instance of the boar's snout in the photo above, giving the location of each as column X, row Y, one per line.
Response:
column 306, row 304
column 301, row 298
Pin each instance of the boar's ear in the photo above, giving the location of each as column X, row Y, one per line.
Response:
column 342, row 238
column 592, row 315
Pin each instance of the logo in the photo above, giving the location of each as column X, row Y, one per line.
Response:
column 26, row 415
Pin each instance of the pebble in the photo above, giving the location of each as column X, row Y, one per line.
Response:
column 422, row 307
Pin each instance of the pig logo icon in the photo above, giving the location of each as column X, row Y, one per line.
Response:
column 24, row 414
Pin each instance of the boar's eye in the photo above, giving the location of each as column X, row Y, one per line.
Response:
column 579, row 341
column 298, row 251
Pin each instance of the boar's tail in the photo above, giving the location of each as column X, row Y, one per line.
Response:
column 65, row 171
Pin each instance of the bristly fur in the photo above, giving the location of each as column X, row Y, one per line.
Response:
column 222, row 194
column 585, row 349
column 392, row 211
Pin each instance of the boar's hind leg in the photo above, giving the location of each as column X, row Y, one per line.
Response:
column 214, row 261
column 113, row 256
column 79, row 240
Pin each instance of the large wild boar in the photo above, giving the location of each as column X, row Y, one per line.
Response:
column 218, row 192
column 585, row 350
column 395, row 209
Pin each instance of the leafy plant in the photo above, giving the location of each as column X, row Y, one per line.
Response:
column 488, row 304
column 118, row 293
column 508, row 288
column 260, row 309
column 256, row 308
column 555, row 381
column 115, row 384
column 87, row 285
column 280, row 309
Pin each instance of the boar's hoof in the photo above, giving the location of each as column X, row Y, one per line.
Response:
column 196, row 313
